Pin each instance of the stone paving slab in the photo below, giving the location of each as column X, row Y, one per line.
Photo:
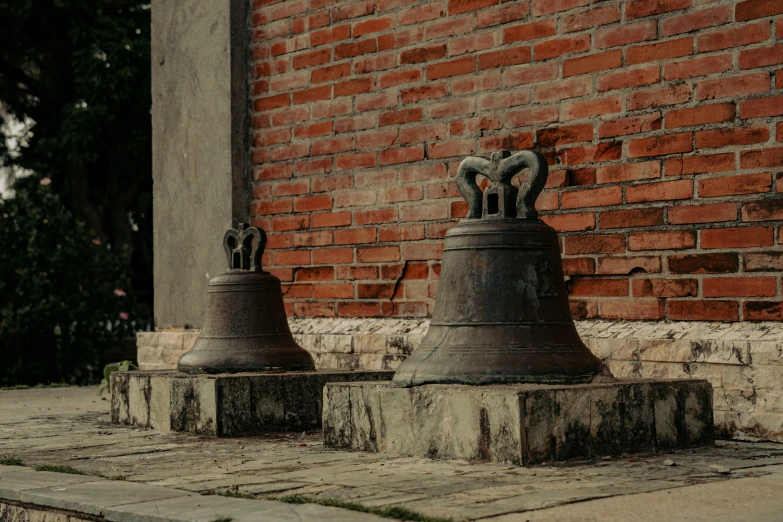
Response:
column 121, row 501
column 201, row 508
column 756, row 500
column 297, row 464
column 95, row 497
column 13, row 512
column 15, row 480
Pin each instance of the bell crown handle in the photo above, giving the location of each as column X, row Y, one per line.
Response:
column 244, row 247
column 500, row 169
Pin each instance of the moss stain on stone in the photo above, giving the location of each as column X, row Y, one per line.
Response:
column 485, row 436
column 187, row 415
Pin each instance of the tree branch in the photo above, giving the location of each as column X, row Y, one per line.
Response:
column 80, row 199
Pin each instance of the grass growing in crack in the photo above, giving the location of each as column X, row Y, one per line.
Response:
column 223, row 519
column 395, row 512
column 232, row 492
column 65, row 468
column 11, row 460
column 399, row 513
column 235, row 493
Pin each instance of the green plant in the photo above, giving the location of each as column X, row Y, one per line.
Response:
column 65, row 468
column 11, row 460
column 234, row 492
column 110, row 368
column 62, row 292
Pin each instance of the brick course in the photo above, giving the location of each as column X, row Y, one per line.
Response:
column 661, row 121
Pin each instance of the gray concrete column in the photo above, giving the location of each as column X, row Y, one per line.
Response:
column 200, row 123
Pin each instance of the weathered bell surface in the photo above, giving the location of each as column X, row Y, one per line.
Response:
column 245, row 327
column 501, row 315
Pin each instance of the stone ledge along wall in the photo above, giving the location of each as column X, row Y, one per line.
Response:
column 661, row 120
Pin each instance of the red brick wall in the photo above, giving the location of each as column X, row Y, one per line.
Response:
column 661, row 120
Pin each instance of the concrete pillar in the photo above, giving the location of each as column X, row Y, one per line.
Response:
column 200, row 122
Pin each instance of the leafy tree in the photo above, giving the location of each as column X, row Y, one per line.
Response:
column 63, row 291
column 80, row 70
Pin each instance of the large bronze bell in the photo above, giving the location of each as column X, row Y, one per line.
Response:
column 245, row 327
column 501, row 315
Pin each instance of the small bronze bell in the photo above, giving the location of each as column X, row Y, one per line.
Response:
column 245, row 327
column 501, row 314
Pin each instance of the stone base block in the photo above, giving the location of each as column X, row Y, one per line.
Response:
column 226, row 405
column 518, row 424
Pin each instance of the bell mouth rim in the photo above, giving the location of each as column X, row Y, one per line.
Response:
column 215, row 361
column 206, row 370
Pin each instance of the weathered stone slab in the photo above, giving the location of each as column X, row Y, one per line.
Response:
column 14, row 513
column 15, row 480
column 198, row 508
column 518, row 424
column 226, row 405
column 58, row 497
column 93, row 498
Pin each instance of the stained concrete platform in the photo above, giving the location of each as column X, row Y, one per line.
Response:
column 226, row 405
column 518, row 424
column 72, row 426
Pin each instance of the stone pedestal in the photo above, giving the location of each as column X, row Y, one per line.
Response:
column 226, row 405
column 518, row 424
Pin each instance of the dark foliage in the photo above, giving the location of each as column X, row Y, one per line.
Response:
column 80, row 69
column 61, row 288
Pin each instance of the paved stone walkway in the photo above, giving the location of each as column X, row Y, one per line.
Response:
column 733, row 481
